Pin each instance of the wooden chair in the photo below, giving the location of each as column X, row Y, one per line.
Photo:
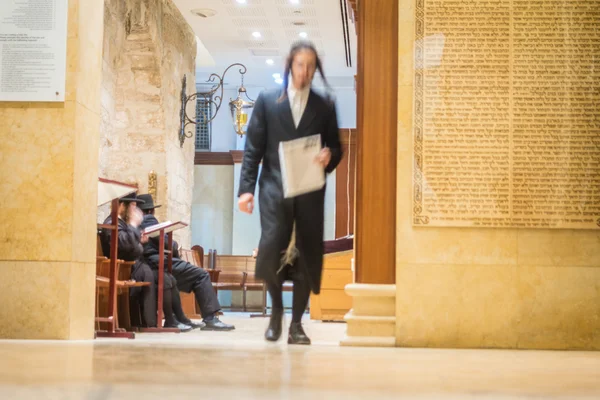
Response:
column 123, row 283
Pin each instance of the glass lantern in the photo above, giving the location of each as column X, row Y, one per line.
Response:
column 239, row 111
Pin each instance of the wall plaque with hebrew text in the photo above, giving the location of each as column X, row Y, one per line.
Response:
column 507, row 114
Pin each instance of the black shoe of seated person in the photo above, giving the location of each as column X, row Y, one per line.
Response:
column 182, row 327
column 213, row 323
column 194, row 325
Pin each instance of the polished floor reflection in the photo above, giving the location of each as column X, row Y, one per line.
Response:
column 240, row 365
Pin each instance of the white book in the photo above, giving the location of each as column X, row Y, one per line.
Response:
column 300, row 172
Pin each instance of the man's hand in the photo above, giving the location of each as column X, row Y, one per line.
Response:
column 144, row 239
column 135, row 216
column 324, row 157
column 246, row 203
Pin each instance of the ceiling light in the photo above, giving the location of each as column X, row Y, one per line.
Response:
column 303, row 35
column 279, row 81
column 295, row 1
column 269, row 61
column 241, row 1
column 203, row 12
column 277, row 76
column 256, row 34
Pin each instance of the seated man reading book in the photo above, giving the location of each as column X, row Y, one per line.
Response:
column 130, row 248
column 189, row 277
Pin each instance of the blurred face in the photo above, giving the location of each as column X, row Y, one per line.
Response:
column 125, row 209
column 304, row 66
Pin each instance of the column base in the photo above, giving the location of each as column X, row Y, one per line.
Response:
column 372, row 320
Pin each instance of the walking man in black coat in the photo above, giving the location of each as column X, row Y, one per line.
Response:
column 188, row 276
column 282, row 115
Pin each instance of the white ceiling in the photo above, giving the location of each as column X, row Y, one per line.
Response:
column 226, row 38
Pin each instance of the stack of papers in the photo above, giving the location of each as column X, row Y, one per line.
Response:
column 299, row 170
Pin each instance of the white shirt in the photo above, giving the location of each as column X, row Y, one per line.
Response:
column 298, row 100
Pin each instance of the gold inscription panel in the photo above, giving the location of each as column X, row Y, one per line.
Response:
column 507, row 113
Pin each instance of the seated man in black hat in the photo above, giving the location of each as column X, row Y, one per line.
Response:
column 130, row 248
column 189, row 277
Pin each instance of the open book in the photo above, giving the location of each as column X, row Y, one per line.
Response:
column 154, row 230
column 300, row 173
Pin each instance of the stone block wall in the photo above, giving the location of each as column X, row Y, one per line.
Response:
column 148, row 48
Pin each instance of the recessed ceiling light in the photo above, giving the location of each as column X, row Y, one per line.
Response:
column 269, row 61
column 277, row 76
column 295, row 1
column 303, row 35
column 241, row 1
column 256, row 34
column 279, row 81
column 203, row 12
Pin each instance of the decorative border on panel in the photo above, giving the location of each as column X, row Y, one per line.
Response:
column 419, row 219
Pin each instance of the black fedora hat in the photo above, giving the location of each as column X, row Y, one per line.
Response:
column 130, row 198
column 147, row 202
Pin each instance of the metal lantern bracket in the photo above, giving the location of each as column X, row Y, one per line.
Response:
column 208, row 98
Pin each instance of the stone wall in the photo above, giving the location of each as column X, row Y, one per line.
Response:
column 148, row 48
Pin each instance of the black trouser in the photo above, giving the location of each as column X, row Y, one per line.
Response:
column 142, row 300
column 172, row 309
column 192, row 278
column 300, row 298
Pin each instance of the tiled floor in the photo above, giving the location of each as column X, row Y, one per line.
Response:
column 241, row 365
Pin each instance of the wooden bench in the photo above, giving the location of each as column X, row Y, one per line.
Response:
column 233, row 265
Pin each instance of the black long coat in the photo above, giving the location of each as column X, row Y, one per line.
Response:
column 271, row 123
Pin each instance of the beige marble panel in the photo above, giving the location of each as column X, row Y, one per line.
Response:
column 73, row 19
column 498, row 307
column 560, row 248
column 91, row 24
column 406, row 53
column 458, row 246
column 36, row 164
column 457, row 306
column 82, row 300
column 85, row 197
column 405, row 118
column 560, row 308
column 35, row 299
column 72, row 76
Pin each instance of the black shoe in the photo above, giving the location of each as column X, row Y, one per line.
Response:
column 215, row 324
column 180, row 326
column 273, row 332
column 195, row 325
column 297, row 335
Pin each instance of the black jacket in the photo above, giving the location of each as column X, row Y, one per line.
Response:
column 129, row 247
column 151, row 248
column 271, row 123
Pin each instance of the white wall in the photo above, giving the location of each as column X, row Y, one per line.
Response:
column 345, row 100
column 212, row 216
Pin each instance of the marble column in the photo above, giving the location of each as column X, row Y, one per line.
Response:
column 48, row 175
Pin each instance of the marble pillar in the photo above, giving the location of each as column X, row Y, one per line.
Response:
column 48, row 175
column 474, row 287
